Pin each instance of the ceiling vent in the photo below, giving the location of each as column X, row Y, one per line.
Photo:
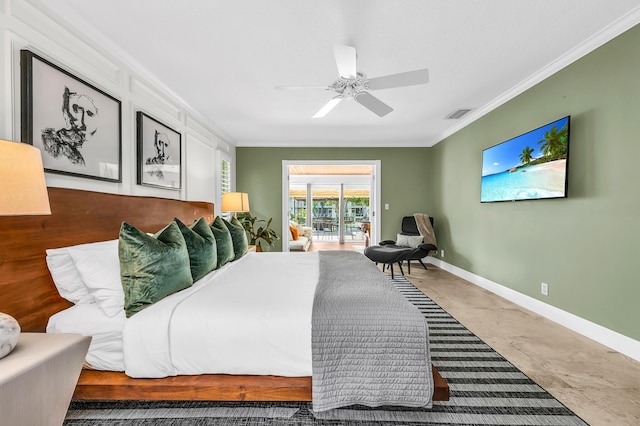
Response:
column 457, row 114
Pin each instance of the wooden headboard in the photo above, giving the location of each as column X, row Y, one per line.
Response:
column 27, row 291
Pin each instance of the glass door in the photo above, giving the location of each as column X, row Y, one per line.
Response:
column 336, row 200
column 298, row 204
column 326, row 212
column 356, row 218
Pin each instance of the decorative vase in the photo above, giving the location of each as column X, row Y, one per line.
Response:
column 9, row 333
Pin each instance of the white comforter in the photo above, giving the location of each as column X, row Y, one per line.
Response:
column 252, row 316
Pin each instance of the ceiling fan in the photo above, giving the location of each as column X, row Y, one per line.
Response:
column 354, row 85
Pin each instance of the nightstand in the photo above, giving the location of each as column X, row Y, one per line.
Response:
column 38, row 377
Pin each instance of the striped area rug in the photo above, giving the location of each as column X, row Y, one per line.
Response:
column 485, row 390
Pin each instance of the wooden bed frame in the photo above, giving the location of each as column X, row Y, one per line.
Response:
column 28, row 294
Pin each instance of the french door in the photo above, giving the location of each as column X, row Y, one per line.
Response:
column 340, row 208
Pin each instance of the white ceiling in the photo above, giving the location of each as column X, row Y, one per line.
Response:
column 222, row 58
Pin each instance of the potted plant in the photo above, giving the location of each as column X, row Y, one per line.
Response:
column 258, row 231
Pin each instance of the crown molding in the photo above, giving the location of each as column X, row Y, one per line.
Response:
column 598, row 39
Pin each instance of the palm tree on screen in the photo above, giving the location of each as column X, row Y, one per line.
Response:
column 525, row 156
column 554, row 144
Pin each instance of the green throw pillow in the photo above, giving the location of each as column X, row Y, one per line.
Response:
column 152, row 267
column 201, row 245
column 238, row 237
column 224, row 242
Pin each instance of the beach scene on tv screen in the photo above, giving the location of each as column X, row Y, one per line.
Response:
column 530, row 166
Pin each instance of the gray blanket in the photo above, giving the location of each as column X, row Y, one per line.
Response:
column 369, row 343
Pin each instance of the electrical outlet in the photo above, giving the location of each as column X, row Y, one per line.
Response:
column 544, row 289
column 442, row 253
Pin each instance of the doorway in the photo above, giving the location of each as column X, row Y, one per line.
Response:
column 336, row 200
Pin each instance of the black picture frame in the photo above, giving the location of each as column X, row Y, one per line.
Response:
column 159, row 153
column 77, row 126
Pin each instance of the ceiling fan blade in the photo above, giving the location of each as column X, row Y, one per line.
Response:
column 301, row 87
column 327, row 107
column 345, row 60
column 409, row 78
column 374, row 104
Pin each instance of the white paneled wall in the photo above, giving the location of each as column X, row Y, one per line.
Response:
column 29, row 24
column 199, row 157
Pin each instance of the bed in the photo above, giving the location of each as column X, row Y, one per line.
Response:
column 27, row 292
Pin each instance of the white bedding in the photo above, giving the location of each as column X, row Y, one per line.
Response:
column 105, row 350
column 253, row 316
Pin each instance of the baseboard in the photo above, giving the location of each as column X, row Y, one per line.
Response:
column 612, row 339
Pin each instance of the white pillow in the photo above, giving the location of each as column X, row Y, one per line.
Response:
column 409, row 240
column 66, row 277
column 99, row 267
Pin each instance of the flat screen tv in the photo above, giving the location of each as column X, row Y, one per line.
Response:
column 531, row 166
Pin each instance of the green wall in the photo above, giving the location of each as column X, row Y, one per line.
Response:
column 404, row 179
column 586, row 247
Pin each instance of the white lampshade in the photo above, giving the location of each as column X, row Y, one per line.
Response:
column 235, row 202
column 23, row 190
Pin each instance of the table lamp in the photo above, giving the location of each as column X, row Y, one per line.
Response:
column 235, row 202
column 23, row 191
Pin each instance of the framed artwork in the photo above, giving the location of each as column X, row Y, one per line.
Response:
column 76, row 125
column 159, row 154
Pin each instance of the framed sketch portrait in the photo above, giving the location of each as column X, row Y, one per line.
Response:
column 159, row 154
column 76, row 125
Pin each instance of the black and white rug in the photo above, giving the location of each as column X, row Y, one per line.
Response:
column 485, row 390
